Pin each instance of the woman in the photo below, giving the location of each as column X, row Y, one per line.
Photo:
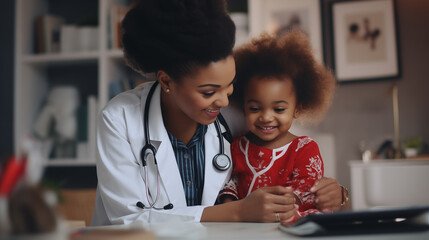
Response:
column 188, row 46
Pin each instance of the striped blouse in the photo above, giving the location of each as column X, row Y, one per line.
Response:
column 190, row 160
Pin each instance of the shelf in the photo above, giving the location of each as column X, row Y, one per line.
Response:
column 61, row 58
column 69, row 162
column 116, row 53
column 389, row 162
column 91, row 72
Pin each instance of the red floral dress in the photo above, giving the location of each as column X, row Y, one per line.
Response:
column 297, row 164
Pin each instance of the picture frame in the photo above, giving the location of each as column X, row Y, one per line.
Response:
column 276, row 16
column 365, row 43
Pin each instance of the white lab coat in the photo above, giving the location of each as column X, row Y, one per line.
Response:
column 120, row 138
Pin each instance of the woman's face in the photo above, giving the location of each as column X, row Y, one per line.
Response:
column 270, row 108
column 202, row 95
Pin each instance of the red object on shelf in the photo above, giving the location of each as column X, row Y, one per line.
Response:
column 12, row 173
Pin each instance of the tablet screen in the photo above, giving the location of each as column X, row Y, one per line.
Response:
column 405, row 219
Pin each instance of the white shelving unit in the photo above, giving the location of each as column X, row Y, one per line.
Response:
column 32, row 71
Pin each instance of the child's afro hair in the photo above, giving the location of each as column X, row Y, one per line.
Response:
column 288, row 56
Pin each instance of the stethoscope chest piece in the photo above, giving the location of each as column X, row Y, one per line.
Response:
column 221, row 162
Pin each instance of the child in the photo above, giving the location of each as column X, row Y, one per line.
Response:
column 278, row 81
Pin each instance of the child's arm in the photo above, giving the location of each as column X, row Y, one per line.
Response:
column 308, row 168
column 229, row 192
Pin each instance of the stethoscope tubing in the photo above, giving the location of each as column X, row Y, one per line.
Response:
column 148, row 148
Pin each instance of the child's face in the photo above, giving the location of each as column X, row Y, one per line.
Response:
column 270, row 108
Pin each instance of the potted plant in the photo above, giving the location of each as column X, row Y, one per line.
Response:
column 412, row 146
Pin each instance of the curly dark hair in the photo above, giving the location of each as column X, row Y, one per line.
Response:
column 177, row 36
column 288, row 56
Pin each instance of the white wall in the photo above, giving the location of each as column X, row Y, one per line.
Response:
column 364, row 110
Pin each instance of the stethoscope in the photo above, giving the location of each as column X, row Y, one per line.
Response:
column 221, row 161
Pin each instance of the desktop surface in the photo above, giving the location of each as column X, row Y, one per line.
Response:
column 241, row 231
column 272, row 231
column 219, row 230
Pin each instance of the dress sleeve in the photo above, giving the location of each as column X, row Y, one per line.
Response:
column 308, row 167
column 229, row 190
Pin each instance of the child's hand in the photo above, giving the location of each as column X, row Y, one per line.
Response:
column 269, row 204
column 295, row 216
column 328, row 194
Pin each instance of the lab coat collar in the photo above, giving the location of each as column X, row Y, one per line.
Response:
column 168, row 169
column 166, row 159
column 213, row 178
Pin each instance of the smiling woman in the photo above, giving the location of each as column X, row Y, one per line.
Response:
column 196, row 98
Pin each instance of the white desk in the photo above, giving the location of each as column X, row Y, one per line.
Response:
column 271, row 231
column 265, row 231
column 222, row 231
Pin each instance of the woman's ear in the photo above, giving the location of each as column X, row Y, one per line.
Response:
column 164, row 79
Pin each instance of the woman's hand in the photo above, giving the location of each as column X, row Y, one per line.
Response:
column 269, row 204
column 329, row 195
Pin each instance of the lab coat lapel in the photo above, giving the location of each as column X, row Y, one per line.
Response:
column 213, row 178
column 166, row 159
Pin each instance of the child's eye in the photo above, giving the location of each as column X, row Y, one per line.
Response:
column 208, row 94
column 254, row 109
column 279, row 110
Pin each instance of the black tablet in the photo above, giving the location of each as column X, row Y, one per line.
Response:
column 386, row 220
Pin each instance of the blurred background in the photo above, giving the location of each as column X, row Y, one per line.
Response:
column 7, row 20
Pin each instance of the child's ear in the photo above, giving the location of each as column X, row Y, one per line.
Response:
column 296, row 113
column 164, row 79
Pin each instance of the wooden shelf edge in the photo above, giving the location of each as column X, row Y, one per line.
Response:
column 69, row 162
column 60, row 57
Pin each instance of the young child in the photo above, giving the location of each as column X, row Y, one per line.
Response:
column 278, row 80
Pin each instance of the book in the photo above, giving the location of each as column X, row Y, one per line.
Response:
column 48, row 33
column 92, row 122
column 69, row 38
column 116, row 15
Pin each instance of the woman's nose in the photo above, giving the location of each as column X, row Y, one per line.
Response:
column 222, row 101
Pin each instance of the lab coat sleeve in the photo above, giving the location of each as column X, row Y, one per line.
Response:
column 120, row 184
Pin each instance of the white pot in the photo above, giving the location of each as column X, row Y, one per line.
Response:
column 410, row 152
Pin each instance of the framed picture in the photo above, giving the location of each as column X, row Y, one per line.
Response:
column 278, row 16
column 365, row 43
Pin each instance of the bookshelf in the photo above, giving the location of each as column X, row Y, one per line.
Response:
column 97, row 73
column 91, row 71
